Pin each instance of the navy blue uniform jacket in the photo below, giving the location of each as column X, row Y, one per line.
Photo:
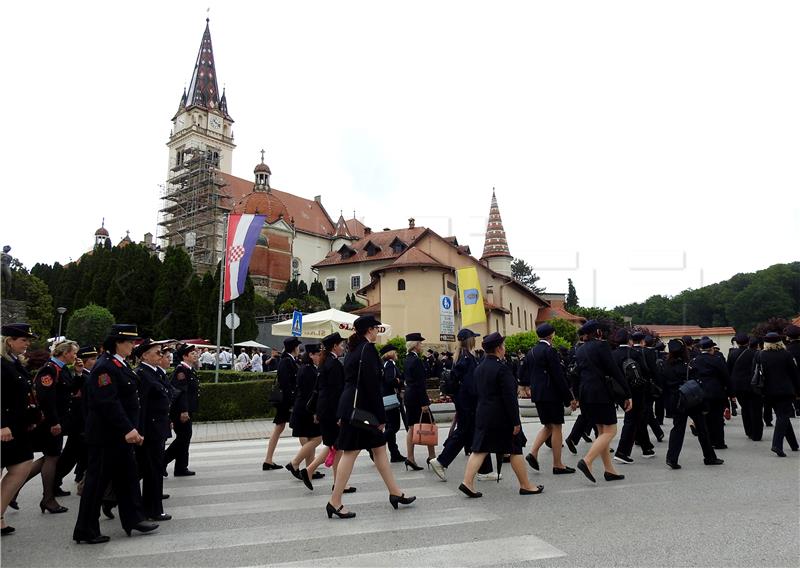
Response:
column 330, row 386
column 712, row 372
column 415, row 380
column 545, row 375
column 155, row 397
column 595, row 361
column 112, row 399
column 370, row 397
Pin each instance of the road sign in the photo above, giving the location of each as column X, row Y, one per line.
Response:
column 447, row 319
column 297, row 323
column 232, row 321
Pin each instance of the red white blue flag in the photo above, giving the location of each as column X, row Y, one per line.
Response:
column 243, row 231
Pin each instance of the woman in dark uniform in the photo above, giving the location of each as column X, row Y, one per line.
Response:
column 550, row 392
column 303, row 424
column 751, row 402
column 155, row 397
column 781, row 388
column 674, row 374
column 498, row 428
column 595, row 362
column 415, row 398
column 362, row 390
column 392, row 383
column 53, row 385
column 16, row 453
column 112, row 400
column 286, row 381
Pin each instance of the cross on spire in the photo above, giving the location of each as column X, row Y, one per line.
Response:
column 262, row 155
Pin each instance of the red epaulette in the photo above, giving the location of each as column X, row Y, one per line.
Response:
column 117, row 363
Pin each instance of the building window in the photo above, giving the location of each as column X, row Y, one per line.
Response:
column 401, row 284
column 330, row 284
column 355, row 282
column 511, row 310
column 531, row 321
column 497, row 325
column 525, row 317
column 518, row 320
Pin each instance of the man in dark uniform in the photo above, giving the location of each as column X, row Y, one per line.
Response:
column 644, row 344
column 741, row 374
column 633, row 366
column 113, row 414
column 187, row 387
column 392, row 382
column 155, row 397
column 712, row 372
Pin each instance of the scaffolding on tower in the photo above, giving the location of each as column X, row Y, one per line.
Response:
column 194, row 206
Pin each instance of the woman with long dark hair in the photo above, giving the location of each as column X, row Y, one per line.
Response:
column 362, row 396
column 16, row 452
column 674, row 374
column 303, row 423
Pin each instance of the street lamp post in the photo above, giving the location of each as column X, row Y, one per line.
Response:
column 61, row 312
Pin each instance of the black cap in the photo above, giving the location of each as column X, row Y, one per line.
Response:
column 185, row 349
column 388, row 348
column 466, row 333
column 773, row 337
column 415, row 337
column 18, row 330
column 590, row 327
column 492, row 341
column 545, row 330
column 313, row 347
column 124, row 331
column 660, row 346
column 637, row 335
column 792, row 331
column 687, row 340
column 622, row 336
column 706, row 343
column 290, row 343
column 649, row 340
column 363, row 323
column 741, row 338
column 675, row 346
column 87, row 352
column 144, row 346
column 754, row 342
column 330, row 340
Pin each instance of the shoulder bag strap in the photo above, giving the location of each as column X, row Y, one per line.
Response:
column 358, row 375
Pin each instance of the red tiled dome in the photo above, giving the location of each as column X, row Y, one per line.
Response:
column 263, row 203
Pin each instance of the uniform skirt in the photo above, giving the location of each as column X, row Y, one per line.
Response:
column 329, row 430
column 494, row 440
column 600, row 413
column 413, row 412
column 303, row 426
column 352, row 438
column 282, row 414
column 16, row 451
column 550, row 412
column 43, row 441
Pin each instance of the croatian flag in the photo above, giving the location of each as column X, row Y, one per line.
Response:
column 243, row 231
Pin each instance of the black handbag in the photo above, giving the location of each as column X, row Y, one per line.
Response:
column 362, row 418
column 757, row 382
column 276, row 395
column 690, row 393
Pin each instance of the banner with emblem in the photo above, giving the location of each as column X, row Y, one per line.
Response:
column 469, row 293
column 243, row 231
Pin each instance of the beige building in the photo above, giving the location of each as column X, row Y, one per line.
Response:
column 403, row 285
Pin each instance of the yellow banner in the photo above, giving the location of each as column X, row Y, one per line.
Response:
column 469, row 292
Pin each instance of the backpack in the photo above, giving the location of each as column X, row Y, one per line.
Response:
column 632, row 372
column 447, row 383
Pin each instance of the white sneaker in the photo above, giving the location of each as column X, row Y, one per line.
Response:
column 489, row 476
column 439, row 469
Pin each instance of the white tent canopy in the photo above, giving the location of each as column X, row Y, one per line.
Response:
column 320, row 324
column 255, row 344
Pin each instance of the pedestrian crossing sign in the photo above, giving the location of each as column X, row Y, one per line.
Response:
column 297, row 323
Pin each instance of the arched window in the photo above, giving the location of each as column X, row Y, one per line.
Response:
column 518, row 320
column 401, row 284
column 511, row 309
column 525, row 318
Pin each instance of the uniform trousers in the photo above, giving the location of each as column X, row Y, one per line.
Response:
column 580, row 428
column 784, row 409
column 715, row 420
column 660, row 410
column 461, row 439
column 767, row 413
column 113, row 463
column 678, row 433
column 75, row 454
column 392, row 428
column 151, row 465
column 634, row 426
column 179, row 448
column 752, row 411
column 651, row 419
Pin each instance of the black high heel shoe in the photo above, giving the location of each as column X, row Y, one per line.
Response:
column 306, row 479
column 395, row 500
column 6, row 529
column 52, row 510
column 331, row 510
column 346, row 489
column 143, row 527
column 413, row 466
column 469, row 492
column 99, row 539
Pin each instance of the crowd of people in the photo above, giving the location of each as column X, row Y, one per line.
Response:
column 117, row 406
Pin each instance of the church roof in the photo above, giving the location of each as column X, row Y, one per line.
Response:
column 203, row 90
column 495, row 243
column 380, row 247
column 260, row 202
column 413, row 257
column 309, row 216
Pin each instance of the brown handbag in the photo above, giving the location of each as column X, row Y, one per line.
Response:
column 425, row 434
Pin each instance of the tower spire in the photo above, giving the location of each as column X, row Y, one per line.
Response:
column 495, row 247
column 203, row 91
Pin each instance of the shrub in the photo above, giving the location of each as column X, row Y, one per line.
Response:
column 399, row 344
column 565, row 330
column 235, row 376
column 527, row 339
column 90, row 325
column 234, row 401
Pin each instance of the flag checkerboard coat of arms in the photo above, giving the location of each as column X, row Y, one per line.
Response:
column 243, row 231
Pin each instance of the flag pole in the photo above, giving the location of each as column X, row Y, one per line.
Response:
column 233, row 328
column 221, row 290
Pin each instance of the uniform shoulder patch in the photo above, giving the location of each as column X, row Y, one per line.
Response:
column 103, row 380
column 46, row 381
column 117, row 363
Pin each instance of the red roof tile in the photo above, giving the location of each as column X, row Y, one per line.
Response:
column 382, row 239
column 373, row 310
column 693, row 330
column 416, row 257
column 546, row 314
column 356, row 227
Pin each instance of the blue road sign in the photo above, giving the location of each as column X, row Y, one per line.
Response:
column 297, row 323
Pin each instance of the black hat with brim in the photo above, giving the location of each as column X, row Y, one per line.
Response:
column 742, row 338
column 185, row 349
column 416, row 337
column 637, row 336
column 545, row 330
column 87, row 352
column 675, row 346
column 290, row 343
column 773, row 337
column 127, row 331
column 330, row 340
column 145, row 346
column 466, row 333
column 793, row 331
column 492, row 341
column 17, row 330
column 313, row 348
column 706, row 343
column 388, row 348
column 363, row 323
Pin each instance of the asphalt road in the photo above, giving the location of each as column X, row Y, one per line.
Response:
column 744, row 513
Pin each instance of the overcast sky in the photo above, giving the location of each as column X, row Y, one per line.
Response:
column 638, row 148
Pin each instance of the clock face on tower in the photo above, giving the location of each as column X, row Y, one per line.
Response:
column 215, row 123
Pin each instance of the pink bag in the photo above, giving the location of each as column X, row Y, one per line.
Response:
column 330, row 457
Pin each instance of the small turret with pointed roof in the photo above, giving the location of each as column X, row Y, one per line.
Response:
column 495, row 248
column 341, row 227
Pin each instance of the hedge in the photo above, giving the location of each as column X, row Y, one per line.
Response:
column 235, row 376
column 235, row 400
